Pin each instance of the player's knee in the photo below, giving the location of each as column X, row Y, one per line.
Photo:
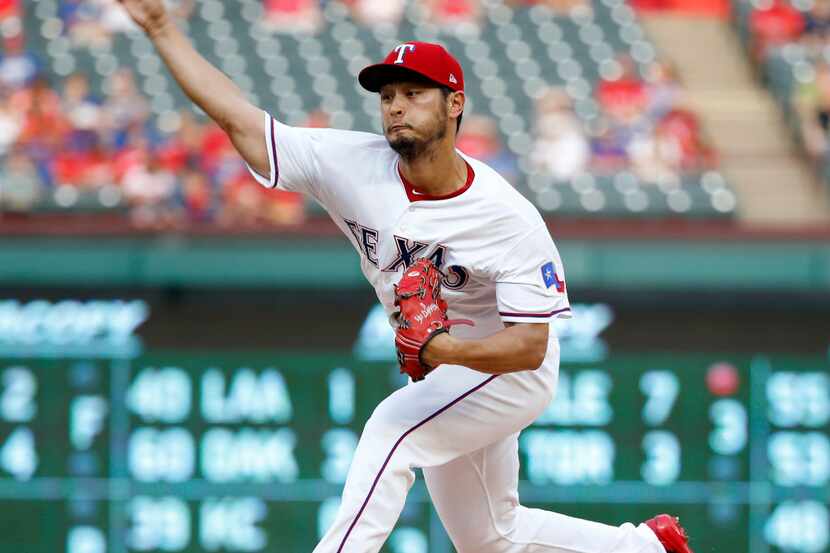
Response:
column 383, row 428
column 483, row 543
column 496, row 536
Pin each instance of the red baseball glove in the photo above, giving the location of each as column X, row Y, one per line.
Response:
column 422, row 315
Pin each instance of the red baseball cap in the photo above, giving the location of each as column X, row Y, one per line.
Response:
column 426, row 59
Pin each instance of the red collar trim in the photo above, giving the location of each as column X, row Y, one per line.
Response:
column 415, row 196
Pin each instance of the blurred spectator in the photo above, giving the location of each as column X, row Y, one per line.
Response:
column 196, row 197
column 17, row 67
column 44, row 128
column 817, row 20
column 11, row 23
column 673, row 148
column 318, row 119
column 22, row 186
column 479, row 138
column 241, row 203
column 562, row 149
column 83, row 22
column 663, row 91
column 124, row 107
column 184, row 149
column 282, row 208
column 93, row 23
column 817, row 26
column 217, row 149
column 772, row 23
column 559, row 7
column 812, row 103
column 654, row 157
column 9, row 9
column 377, row 12
column 626, row 97
column 609, row 149
column 82, row 110
column 246, row 203
column 83, row 165
column 452, row 13
column 293, row 15
column 11, row 124
column 149, row 189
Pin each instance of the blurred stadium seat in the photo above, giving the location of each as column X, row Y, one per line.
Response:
column 632, row 168
column 792, row 62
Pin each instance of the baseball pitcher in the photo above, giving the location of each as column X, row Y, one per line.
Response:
column 470, row 277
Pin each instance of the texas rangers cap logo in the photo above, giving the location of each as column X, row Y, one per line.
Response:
column 402, row 49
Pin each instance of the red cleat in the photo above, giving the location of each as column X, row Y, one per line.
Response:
column 668, row 530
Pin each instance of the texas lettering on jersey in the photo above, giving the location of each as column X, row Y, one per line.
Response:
column 408, row 251
column 502, row 261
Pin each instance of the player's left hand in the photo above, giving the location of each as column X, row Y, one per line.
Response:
column 422, row 316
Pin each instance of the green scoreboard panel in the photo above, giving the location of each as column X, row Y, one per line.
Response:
column 202, row 451
column 108, row 447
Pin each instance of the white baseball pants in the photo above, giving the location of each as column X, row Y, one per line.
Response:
column 461, row 426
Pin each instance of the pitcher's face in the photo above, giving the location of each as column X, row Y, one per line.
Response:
column 415, row 116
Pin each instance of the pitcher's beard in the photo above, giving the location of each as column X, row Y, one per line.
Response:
column 408, row 148
column 411, row 149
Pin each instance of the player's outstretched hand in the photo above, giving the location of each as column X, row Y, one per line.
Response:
column 150, row 15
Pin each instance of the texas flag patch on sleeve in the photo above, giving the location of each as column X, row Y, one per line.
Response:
column 551, row 278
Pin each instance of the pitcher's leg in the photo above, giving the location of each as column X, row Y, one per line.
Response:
column 368, row 511
column 477, row 500
column 453, row 412
column 418, row 425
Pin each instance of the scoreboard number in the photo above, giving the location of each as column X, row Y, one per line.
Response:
column 18, row 456
column 730, row 434
column 17, row 401
column 662, row 464
column 85, row 539
column 339, row 445
column 160, row 395
column 661, row 389
column 166, row 455
column 799, row 399
column 161, row 524
column 799, row 527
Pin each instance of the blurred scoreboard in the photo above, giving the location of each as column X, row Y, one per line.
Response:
column 105, row 447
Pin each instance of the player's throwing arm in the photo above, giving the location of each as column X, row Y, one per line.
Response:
column 203, row 83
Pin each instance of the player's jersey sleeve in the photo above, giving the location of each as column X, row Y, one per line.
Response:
column 292, row 156
column 530, row 280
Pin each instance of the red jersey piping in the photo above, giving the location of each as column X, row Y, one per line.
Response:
column 415, row 196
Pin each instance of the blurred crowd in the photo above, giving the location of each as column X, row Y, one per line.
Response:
column 775, row 24
column 643, row 127
column 65, row 137
column 58, row 139
column 290, row 15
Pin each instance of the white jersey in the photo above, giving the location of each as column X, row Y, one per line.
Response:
column 500, row 262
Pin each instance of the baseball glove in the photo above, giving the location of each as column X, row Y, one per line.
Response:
column 422, row 315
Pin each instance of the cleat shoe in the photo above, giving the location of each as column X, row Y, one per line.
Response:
column 668, row 530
